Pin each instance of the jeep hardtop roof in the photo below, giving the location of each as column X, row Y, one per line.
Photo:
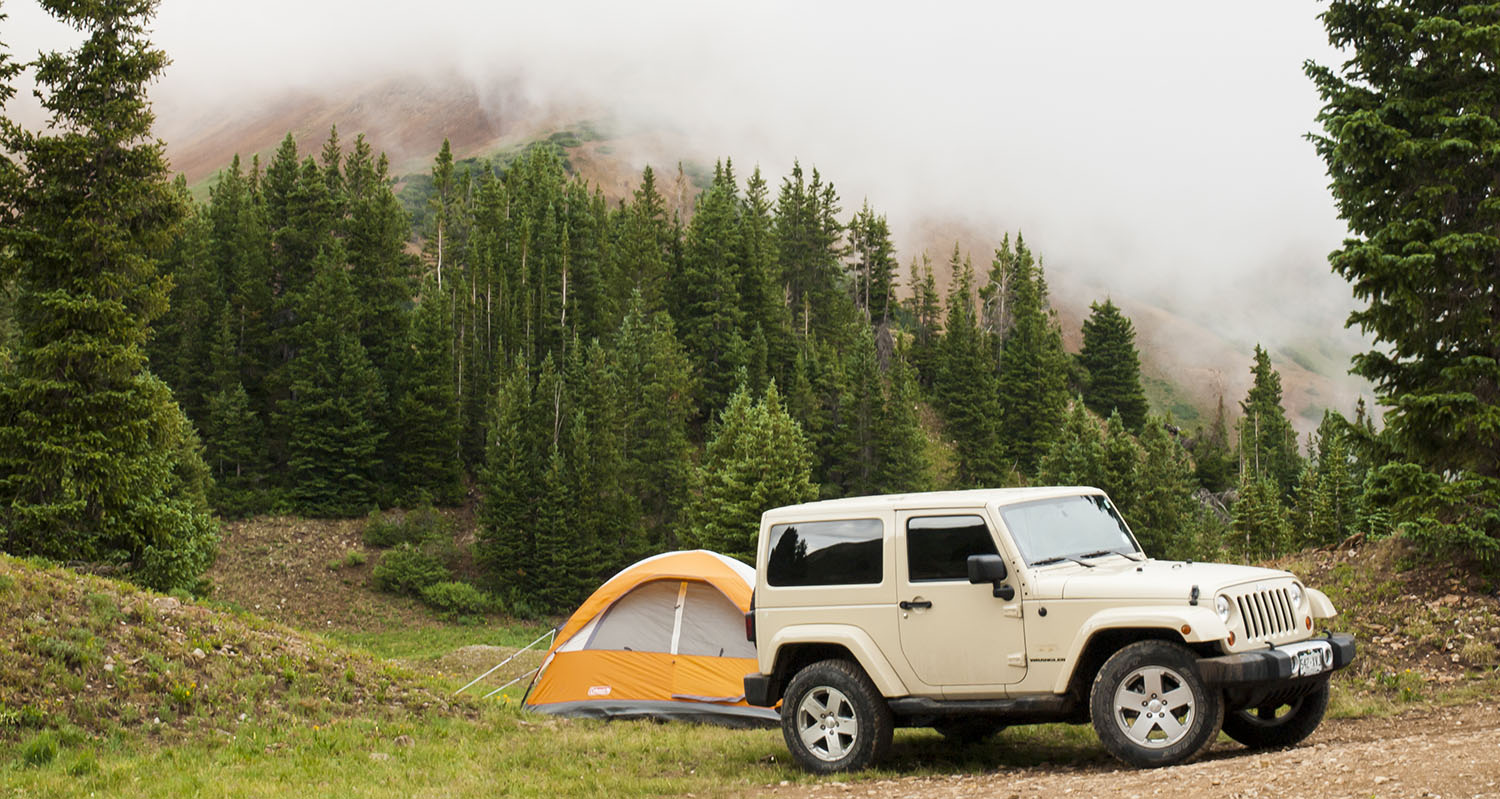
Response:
column 928, row 499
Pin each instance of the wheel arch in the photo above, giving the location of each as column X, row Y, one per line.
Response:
column 796, row 647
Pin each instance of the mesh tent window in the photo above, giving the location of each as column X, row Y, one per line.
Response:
column 673, row 616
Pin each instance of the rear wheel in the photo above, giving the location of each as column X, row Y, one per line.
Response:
column 1150, row 707
column 834, row 719
column 1283, row 724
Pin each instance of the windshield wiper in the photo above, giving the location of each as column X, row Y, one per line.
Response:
column 1060, row 559
column 1101, row 553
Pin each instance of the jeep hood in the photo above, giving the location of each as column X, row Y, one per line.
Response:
column 1117, row 578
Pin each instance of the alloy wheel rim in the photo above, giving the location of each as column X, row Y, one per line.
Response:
column 1154, row 707
column 827, row 723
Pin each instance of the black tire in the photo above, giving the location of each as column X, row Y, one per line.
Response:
column 834, row 719
column 1285, row 724
column 969, row 730
column 1150, row 707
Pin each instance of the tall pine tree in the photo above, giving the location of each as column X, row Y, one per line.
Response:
column 97, row 462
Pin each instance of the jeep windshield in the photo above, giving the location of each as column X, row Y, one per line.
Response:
column 1068, row 529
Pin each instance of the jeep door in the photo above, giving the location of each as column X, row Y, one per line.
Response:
column 955, row 635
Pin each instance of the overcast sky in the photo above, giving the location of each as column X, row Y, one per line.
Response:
column 1139, row 143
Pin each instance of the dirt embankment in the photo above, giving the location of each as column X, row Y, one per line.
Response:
column 1444, row 752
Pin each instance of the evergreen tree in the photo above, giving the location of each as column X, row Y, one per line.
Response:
column 331, row 410
column 757, row 459
column 642, row 243
column 706, row 298
column 926, row 311
column 1260, row 528
column 1164, row 518
column 184, row 336
column 1123, row 459
column 903, row 464
column 97, row 462
column 1076, row 455
column 767, row 322
column 966, row 390
column 234, row 452
column 441, row 210
column 1113, row 366
column 1268, row 445
column 1213, row 461
column 808, row 237
column 1412, row 124
column 873, row 268
column 656, row 401
column 505, row 546
column 425, row 454
column 1033, row 370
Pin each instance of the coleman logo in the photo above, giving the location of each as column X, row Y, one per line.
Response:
column 599, row 690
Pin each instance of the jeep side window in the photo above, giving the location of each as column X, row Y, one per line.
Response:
column 844, row 552
column 938, row 547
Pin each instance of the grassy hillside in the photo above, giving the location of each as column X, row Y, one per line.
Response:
column 109, row 690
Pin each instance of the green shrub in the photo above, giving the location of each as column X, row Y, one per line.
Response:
column 413, row 527
column 407, row 569
column 40, row 750
column 457, row 599
column 7, row 582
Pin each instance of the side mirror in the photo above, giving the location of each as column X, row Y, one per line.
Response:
column 987, row 569
column 991, row 569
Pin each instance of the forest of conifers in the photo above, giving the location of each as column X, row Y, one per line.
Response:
column 610, row 379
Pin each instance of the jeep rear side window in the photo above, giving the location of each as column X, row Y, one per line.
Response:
column 938, row 547
column 844, row 552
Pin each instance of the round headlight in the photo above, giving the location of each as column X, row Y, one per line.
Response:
column 1296, row 595
column 1221, row 606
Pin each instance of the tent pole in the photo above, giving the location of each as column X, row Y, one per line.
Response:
column 512, row 682
column 505, row 661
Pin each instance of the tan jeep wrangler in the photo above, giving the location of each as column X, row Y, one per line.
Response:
column 968, row 611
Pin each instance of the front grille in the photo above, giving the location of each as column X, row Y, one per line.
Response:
column 1267, row 613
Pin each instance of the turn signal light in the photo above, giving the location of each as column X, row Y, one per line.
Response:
column 1231, row 639
column 1187, row 628
column 1309, row 622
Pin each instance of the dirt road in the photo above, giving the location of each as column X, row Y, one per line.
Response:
column 1450, row 753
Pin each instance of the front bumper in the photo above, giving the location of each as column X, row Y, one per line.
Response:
column 1271, row 665
column 1250, row 679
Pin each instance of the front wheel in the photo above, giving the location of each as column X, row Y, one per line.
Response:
column 1282, row 724
column 834, row 719
column 1150, row 707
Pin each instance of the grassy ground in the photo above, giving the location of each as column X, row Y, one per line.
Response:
column 364, row 711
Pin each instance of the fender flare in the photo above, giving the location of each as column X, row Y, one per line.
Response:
column 859, row 643
column 1203, row 626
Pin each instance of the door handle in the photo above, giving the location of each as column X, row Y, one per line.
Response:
column 916, row 603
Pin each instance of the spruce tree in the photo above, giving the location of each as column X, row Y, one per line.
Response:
column 873, row 265
column 1260, row 528
column 1411, row 126
column 330, row 413
column 1113, row 366
column 966, row 388
column 1268, row 444
column 1123, row 458
column 424, row 454
column 505, row 546
column 756, row 459
column 97, row 462
column 903, row 463
column 655, row 385
column 1164, row 518
column 1033, row 370
column 1213, row 461
column 705, row 293
column 1076, row 455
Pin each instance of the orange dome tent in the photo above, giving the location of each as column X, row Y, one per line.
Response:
column 665, row 638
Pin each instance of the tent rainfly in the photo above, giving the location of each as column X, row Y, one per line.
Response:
column 665, row 639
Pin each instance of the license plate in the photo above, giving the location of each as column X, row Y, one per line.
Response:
column 1315, row 658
